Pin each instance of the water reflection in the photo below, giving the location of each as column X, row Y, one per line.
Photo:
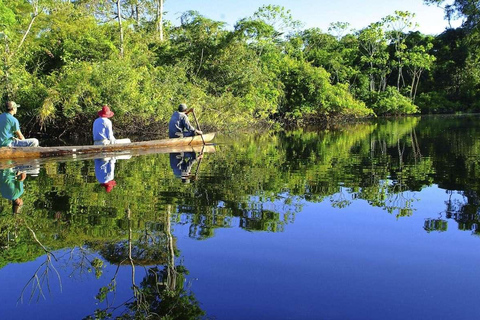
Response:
column 11, row 187
column 256, row 183
column 182, row 164
column 464, row 210
column 11, row 182
column 105, row 171
column 148, row 253
column 162, row 291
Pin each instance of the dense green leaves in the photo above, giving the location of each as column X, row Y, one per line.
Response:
column 61, row 60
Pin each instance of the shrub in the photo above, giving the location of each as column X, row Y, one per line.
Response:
column 437, row 102
column 391, row 102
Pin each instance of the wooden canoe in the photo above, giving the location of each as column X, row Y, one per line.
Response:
column 43, row 152
column 34, row 162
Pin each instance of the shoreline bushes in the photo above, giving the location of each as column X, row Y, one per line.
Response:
column 61, row 61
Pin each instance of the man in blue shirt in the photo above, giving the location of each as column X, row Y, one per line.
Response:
column 10, row 134
column 179, row 125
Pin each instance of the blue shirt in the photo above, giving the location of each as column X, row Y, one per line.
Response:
column 10, row 187
column 104, row 170
column 181, row 163
column 8, row 126
column 102, row 129
column 179, row 125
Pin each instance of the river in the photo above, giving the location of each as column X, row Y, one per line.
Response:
column 375, row 220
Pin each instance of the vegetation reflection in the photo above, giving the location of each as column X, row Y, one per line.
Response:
column 256, row 182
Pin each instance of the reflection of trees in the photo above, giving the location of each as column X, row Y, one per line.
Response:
column 271, row 216
column 381, row 167
column 435, row 225
column 465, row 213
column 29, row 244
column 378, row 163
column 455, row 160
column 341, row 199
column 161, row 293
column 257, row 182
column 41, row 277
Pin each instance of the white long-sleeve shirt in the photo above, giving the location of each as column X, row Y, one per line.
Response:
column 104, row 169
column 102, row 130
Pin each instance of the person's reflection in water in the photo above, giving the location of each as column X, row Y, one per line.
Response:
column 182, row 164
column 105, row 172
column 31, row 168
column 11, row 187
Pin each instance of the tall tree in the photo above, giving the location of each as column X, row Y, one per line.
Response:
column 418, row 60
column 397, row 27
column 15, row 33
column 120, row 26
column 373, row 44
column 159, row 19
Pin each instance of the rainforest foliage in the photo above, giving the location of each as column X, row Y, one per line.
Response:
column 61, row 60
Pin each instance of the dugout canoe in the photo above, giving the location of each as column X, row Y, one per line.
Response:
column 44, row 152
column 35, row 162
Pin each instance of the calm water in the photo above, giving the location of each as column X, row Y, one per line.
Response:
column 373, row 221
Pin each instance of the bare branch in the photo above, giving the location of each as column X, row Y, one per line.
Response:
column 34, row 16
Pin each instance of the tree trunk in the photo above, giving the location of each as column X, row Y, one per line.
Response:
column 7, row 66
column 416, row 85
column 119, row 13
column 413, row 84
column 35, row 14
column 160, row 19
column 137, row 14
column 372, row 79
column 398, row 78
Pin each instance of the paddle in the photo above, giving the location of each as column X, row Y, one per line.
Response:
column 198, row 126
column 199, row 161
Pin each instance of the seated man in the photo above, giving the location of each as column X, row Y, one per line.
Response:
column 102, row 129
column 179, row 125
column 10, row 134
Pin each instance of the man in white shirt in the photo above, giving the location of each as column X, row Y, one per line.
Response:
column 102, row 129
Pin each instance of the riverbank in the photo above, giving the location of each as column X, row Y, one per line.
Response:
column 78, row 131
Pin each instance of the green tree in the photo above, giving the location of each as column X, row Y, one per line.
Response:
column 397, row 27
column 374, row 55
column 418, row 61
